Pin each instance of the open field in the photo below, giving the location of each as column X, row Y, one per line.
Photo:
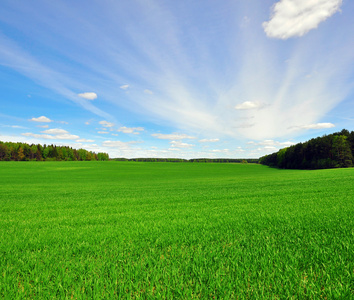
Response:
column 105, row 230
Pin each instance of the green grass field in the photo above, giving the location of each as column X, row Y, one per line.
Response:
column 103, row 230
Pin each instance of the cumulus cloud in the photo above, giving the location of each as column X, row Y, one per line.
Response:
column 106, row 124
column 88, row 96
column 318, row 126
column 272, row 143
column 55, row 131
column 179, row 144
column 249, row 105
column 291, row 18
column 118, row 144
column 124, row 87
column 43, row 126
column 208, row 140
column 84, row 141
column 270, row 148
column 62, row 136
column 39, row 136
column 41, row 119
column 133, row 130
column 172, row 136
column 220, row 150
column 66, row 136
column 102, row 132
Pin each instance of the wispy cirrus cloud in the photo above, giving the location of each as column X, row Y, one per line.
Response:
column 14, row 56
column 198, row 86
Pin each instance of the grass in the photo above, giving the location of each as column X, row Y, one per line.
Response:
column 103, row 230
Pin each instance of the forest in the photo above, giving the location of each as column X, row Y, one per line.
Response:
column 198, row 160
column 329, row 151
column 10, row 151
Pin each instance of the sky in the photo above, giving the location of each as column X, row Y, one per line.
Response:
column 181, row 79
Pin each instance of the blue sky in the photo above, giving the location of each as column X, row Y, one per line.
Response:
column 153, row 78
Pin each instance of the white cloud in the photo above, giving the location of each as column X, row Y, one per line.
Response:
column 271, row 148
column 172, row 136
column 118, row 144
column 272, row 143
column 41, row 119
column 208, row 140
column 106, row 124
column 133, row 130
column 43, row 126
column 191, row 95
column 84, row 141
column 55, row 131
column 15, row 126
column 292, row 18
column 63, row 136
column 179, row 144
column 124, row 87
column 220, row 151
column 318, row 126
column 102, row 132
column 66, row 136
column 39, row 136
column 249, row 105
column 88, row 96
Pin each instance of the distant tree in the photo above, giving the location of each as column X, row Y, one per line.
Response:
column 342, row 151
column 20, row 154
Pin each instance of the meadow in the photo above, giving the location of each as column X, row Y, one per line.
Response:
column 127, row 230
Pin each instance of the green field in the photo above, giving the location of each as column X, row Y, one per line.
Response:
column 103, row 230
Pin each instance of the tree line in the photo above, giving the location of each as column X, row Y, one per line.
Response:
column 10, row 151
column 199, row 160
column 329, row 151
